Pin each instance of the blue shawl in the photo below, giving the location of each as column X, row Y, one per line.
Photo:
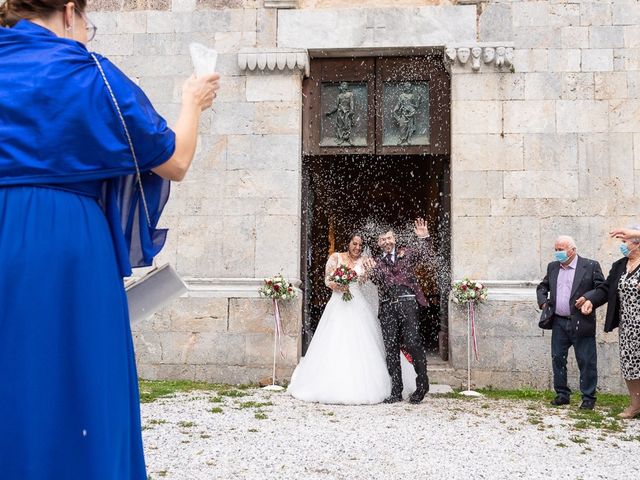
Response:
column 59, row 128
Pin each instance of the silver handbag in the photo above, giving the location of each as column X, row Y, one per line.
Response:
column 153, row 291
column 159, row 287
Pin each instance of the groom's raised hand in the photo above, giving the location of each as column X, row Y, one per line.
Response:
column 421, row 229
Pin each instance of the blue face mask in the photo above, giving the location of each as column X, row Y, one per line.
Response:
column 561, row 256
column 624, row 249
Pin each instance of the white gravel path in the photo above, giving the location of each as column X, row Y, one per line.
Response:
column 443, row 438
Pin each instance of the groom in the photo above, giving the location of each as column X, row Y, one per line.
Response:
column 400, row 300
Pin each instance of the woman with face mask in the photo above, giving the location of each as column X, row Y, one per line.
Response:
column 621, row 291
column 80, row 200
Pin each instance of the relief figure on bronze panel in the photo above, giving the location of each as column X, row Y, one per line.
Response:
column 344, row 112
column 405, row 112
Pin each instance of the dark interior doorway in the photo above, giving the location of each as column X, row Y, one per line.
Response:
column 344, row 193
column 376, row 154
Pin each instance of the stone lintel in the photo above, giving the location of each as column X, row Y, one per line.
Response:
column 341, row 28
column 274, row 59
column 281, row 3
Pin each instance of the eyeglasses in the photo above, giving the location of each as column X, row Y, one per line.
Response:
column 91, row 28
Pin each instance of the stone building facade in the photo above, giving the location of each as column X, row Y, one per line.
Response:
column 545, row 140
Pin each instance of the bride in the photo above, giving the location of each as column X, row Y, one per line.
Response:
column 345, row 362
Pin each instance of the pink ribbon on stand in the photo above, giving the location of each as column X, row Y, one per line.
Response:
column 278, row 327
column 472, row 317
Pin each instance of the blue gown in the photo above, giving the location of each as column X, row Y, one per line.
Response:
column 71, row 226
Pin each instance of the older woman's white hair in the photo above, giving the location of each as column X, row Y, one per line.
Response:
column 635, row 226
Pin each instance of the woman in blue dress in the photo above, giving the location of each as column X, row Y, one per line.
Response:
column 72, row 224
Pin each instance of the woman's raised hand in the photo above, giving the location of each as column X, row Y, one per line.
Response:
column 201, row 91
column 625, row 233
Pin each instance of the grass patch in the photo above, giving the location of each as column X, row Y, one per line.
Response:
column 521, row 394
column 205, row 435
column 581, row 425
column 578, row 440
column 253, row 430
column 234, row 393
column 604, row 417
column 255, row 404
column 612, row 426
column 261, row 416
column 186, row 424
column 155, row 421
column 151, row 390
column 216, row 410
column 216, row 399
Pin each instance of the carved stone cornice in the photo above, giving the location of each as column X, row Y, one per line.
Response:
column 475, row 57
column 280, row 3
column 274, row 59
column 228, row 287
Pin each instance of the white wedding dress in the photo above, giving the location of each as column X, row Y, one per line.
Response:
column 345, row 362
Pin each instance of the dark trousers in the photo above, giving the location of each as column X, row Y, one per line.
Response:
column 563, row 337
column 399, row 322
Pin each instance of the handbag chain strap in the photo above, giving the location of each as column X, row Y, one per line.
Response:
column 126, row 132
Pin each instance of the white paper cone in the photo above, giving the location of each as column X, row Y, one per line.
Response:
column 204, row 59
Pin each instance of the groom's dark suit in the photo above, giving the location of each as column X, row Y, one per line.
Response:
column 400, row 297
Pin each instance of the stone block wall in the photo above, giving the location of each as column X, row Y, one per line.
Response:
column 547, row 144
column 217, row 340
column 513, row 352
column 549, row 148
column 236, row 216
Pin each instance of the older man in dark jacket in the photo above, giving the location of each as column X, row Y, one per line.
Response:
column 562, row 290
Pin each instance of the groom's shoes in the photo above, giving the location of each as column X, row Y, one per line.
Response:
column 417, row 396
column 393, row 399
column 421, row 390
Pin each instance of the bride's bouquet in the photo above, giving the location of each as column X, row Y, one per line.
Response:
column 344, row 276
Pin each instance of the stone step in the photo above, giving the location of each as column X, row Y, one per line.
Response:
column 439, row 389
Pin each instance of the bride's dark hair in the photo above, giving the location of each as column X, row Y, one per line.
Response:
column 353, row 235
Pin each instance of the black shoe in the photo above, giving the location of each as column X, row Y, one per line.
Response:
column 393, row 399
column 587, row 405
column 560, row 401
column 417, row 396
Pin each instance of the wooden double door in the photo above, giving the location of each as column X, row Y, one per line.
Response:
column 376, row 139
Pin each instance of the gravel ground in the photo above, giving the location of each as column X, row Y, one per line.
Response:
column 443, row 438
